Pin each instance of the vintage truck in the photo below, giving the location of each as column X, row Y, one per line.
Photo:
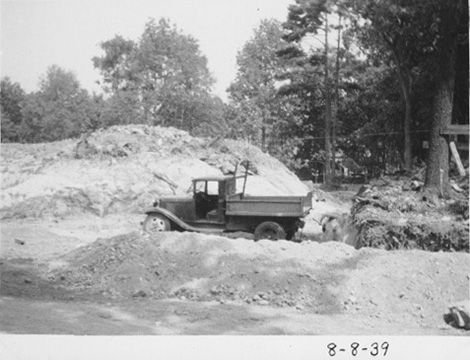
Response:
column 219, row 204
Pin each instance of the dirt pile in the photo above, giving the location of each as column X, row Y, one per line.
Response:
column 123, row 169
column 324, row 278
column 394, row 213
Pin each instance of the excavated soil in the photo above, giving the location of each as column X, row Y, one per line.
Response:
column 397, row 212
column 123, row 169
column 74, row 261
column 323, row 278
column 187, row 283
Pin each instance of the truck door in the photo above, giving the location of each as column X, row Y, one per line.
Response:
column 206, row 198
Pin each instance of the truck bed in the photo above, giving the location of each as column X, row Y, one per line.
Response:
column 269, row 206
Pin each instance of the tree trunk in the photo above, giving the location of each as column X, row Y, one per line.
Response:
column 404, row 77
column 437, row 171
column 407, row 154
column 263, row 137
column 327, row 169
column 335, row 100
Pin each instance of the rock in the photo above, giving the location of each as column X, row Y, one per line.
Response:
column 461, row 314
column 402, row 221
column 214, row 291
column 139, row 293
column 104, row 315
column 19, row 241
column 352, row 299
column 416, row 185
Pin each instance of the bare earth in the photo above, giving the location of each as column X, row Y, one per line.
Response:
column 73, row 260
column 72, row 276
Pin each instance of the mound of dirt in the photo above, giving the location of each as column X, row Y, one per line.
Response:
column 395, row 213
column 123, row 169
column 325, row 278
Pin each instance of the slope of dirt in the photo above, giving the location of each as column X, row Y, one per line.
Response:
column 73, row 268
column 327, row 278
column 124, row 168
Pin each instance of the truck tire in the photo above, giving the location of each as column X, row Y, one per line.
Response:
column 290, row 234
column 270, row 230
column 156, row 223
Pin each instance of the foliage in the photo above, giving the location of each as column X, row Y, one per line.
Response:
column 60, row 109
column 414, row 235
column 257, row 112
column 400, row 34
column 162, row 79
column 312, row 62
column 12, row 97
column 387, row 75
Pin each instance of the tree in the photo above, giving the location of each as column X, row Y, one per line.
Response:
column 336, row 99
column 59, row 110
column 453, row 18
column 259, row 114
column 254, row 89
column 158, row 79
column 11, row 101
column 306, row 20
column 397, row 32
column 368, row 133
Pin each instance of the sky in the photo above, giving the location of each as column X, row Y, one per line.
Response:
column 36, row 34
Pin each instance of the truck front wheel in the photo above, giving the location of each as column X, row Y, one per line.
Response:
column 270, row 230
column 156, row 223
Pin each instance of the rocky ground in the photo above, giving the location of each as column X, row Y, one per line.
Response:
column 74, row 261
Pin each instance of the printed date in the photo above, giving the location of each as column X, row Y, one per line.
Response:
column 355, row 348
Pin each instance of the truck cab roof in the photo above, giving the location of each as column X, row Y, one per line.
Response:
column 217, row 178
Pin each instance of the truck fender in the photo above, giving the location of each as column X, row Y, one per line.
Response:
column 175, row 219
column 170, row 216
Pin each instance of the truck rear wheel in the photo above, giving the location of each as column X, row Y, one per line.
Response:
column 290, row 234
column 156, row 223
column 270, row 230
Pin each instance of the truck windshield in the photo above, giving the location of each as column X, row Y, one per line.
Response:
column 200, row 186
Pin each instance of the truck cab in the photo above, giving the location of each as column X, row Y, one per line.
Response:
column 207, row 204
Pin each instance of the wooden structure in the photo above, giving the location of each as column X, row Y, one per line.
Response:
column 452, row 132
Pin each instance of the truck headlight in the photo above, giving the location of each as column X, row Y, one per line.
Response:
column 156, row 203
